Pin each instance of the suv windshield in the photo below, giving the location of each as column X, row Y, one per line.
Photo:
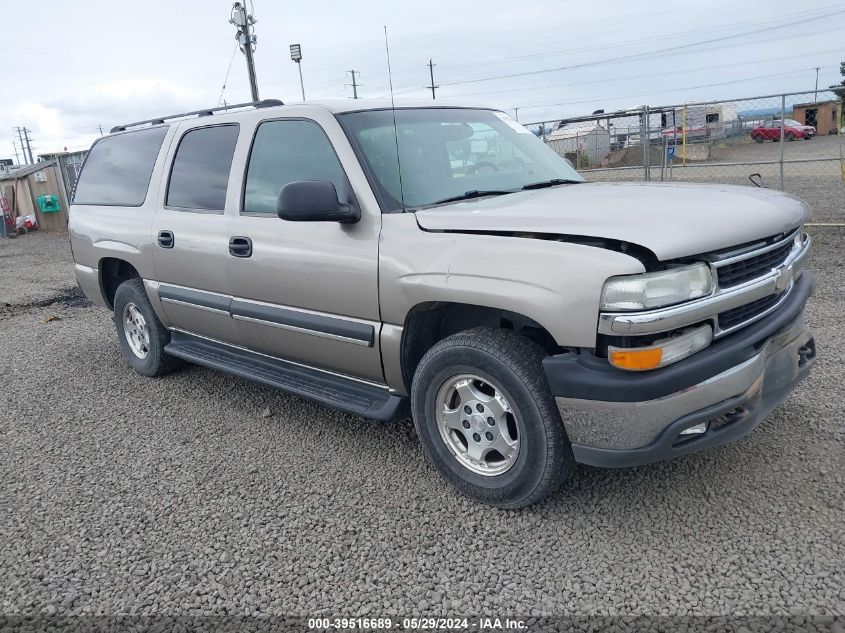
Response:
column 448, row 154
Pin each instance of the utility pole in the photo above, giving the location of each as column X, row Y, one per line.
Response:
column 816, row 96
column 516, row 113
column 101, row 129
column 247, row 40
column 20, row 140
column 26, row 132
column 15, row 150
column 431, row 74
column 355, row 85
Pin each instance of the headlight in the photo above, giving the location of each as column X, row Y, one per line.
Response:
column 653, row 290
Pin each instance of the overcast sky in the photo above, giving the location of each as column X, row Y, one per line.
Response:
column 71, row 67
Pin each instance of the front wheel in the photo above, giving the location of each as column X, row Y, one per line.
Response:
column 487, row 420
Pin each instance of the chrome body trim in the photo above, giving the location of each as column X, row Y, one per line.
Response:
column 731, row 257
column 778, row 280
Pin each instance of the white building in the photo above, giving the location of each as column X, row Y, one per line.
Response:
column 576, row 140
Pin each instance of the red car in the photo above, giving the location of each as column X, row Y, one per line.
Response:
column 770, row 131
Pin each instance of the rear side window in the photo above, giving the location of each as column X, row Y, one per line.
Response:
column 288, row 151
column 118, row 169
column 200, row 173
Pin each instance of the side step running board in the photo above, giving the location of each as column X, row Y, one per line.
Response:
column 340, row 393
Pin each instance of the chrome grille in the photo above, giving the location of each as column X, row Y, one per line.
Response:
column 735, row 273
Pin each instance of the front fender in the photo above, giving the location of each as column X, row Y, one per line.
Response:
column 555, row 283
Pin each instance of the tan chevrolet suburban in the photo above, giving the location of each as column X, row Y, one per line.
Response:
column 369, row 258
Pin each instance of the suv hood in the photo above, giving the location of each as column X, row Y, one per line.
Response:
column 671, row 220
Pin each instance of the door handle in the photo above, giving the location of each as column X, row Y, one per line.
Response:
column 240, row 246
column 166, row 239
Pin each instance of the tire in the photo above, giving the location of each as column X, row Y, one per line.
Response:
column 150, row 360
column 511, row 365
column 758, row 139
column 789, row 136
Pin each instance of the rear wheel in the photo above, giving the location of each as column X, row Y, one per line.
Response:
column 487, row 420
column 758, row 138
column 789, row 136
column 142, row 336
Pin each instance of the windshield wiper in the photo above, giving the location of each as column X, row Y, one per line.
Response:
column 474, row 193
column 549, row 183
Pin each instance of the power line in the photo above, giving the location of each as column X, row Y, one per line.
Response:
column 639, row 55
column 788, row 16
column 817, row 14
column 675, row 89
column 226, row 78
column 779, row 38
column 674, row 71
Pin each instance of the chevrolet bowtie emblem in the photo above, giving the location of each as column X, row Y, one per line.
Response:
column 784, row 280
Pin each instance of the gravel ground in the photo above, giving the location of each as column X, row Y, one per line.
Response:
column 34, row 267
column 200, row 494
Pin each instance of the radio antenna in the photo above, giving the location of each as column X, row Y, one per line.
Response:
column 395, row 129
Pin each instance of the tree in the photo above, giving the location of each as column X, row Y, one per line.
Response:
column 839, row 89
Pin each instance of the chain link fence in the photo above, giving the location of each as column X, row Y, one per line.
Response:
column 794, row 142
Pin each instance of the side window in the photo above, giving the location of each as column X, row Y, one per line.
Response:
column 200, row 173
column 118, row 168
column 288, row 151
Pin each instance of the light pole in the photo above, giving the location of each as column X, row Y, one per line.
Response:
column 816, row 95
column 296, row 55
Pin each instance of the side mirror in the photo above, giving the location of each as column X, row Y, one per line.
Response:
column 314, row 201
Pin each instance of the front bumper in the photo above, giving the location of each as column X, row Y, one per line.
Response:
column 616, row 418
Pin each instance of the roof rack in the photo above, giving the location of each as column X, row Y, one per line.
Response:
column 265, row 103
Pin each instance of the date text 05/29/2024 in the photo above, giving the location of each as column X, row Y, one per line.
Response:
column 417, row 624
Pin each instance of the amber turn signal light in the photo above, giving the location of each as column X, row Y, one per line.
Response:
column 636, row 359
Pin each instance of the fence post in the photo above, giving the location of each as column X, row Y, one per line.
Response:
column 577, row 153
column 782, row 126
column 645, row 144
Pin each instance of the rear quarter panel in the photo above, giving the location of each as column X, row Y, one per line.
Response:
column 101, row 231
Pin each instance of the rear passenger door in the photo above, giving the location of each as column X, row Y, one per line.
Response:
column 307, row 291
column 190, row 232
